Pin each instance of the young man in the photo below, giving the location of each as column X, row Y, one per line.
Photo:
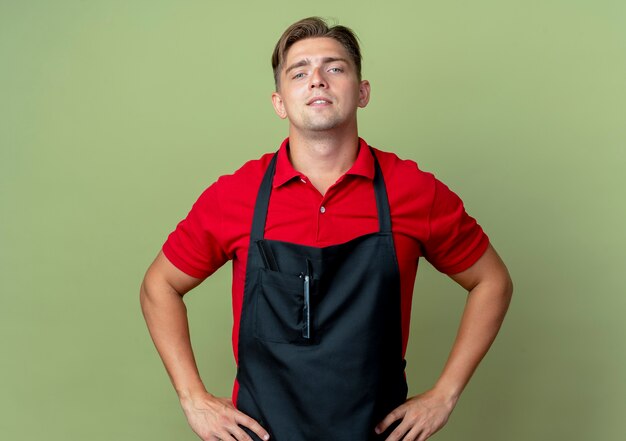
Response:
column 325, row 236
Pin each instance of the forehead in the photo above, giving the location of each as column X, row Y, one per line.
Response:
column 312, row 48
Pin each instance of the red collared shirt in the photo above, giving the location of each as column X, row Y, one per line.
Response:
column 428, row 220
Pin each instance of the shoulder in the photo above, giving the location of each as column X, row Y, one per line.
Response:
column 404, row 175
column 249, row 175
column 237, row 188
column 408, row 185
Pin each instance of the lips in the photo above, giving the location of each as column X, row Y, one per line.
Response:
column 319, row 100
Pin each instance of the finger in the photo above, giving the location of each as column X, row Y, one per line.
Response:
column 252, row 424
column 394, row 415
column 239, row 434
column 399, row 432
column 415, row 434
column 225, row 437
column 427, row 433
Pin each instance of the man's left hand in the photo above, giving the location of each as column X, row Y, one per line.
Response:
column 421, row 415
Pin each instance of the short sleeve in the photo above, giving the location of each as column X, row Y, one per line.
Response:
column 456, row 241
column 194, row 246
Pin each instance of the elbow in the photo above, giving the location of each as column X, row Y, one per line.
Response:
column 502, row 282
column 506, row 289
column 144, row 293
column 156, row 289
column 508, row 282
column 500, row 287
column 149, row 290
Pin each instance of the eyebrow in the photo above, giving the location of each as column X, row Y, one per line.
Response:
column 307, row 61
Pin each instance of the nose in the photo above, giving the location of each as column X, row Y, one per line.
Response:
column 317, row 79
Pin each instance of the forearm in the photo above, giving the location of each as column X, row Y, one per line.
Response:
column 166, row 316
column 484, row 312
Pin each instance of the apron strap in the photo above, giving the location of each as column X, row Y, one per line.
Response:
column 262, row 202
column 382, row 202
column 263, row 198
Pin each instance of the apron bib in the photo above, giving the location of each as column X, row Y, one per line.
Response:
column 320, row 339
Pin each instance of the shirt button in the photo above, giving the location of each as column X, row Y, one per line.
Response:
column 322, row 209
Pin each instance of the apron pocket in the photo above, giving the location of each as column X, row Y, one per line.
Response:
column 279, row 315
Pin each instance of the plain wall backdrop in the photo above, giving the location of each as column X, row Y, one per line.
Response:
column 115, row 115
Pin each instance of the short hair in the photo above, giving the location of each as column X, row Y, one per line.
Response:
column 314, row 27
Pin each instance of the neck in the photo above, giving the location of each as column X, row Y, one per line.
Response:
column 323, row 158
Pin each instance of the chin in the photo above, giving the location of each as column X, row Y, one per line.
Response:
column 320, row 126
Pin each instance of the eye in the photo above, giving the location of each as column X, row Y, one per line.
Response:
column 335, row 69
column 298, row 75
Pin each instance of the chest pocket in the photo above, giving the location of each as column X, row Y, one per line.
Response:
column 284, row 311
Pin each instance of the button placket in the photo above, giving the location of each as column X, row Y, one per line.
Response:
column 324, row 217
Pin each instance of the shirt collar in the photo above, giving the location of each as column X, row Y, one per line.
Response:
column 363, row 165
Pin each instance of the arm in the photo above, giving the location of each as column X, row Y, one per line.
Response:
column 161, row 293
column 490, row 289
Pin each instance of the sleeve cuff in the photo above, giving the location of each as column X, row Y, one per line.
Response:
column 467, row 260
column 181, row 264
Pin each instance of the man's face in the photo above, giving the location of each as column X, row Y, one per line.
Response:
column 319, row 88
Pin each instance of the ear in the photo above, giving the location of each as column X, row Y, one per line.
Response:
column 279, row 106
column 364, row 93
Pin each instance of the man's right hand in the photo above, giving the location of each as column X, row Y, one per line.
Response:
column 214, row 419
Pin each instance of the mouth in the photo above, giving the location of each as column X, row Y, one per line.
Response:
column 319, row 101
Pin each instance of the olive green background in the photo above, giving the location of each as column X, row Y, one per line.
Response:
column 115, row 115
